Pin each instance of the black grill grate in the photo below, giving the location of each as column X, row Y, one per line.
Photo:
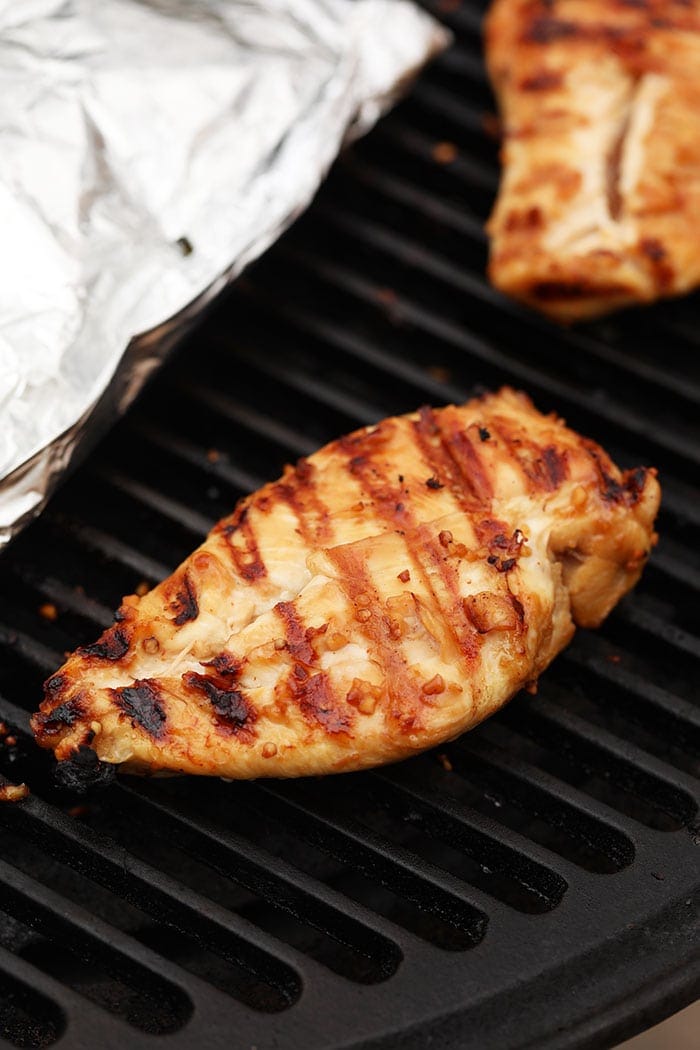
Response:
column 534, row 883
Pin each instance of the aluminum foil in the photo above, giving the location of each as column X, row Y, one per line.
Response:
column 150, row 150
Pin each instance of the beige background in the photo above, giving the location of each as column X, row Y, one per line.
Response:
column 680, row 1032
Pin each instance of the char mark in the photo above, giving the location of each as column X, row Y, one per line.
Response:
column 298, row 490
column 545, row 80
column 554, row 465
column 232, row 711
column 629, row 489
column 225, row 665
column 453, row 458
column 62, row 717
column 185, row 605
column 246, row 557
column 141, row 702
column 296, row 635
column 545, row 30
column 83, row 772
column 55, row 685
column 112, row 645
column 318, row 704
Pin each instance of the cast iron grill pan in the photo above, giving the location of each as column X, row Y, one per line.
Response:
column 534, row 883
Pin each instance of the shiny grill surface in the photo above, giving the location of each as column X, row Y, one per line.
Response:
column 535, row 882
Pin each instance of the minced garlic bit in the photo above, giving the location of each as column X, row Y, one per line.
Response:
column 579, row 496
column 445, row 763
column 269, row 750
column 150, row 645
column 444, row 152
column 434, row 686
column 363, row 695
column 13, row 792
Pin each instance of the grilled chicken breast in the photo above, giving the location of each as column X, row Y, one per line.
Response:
column 383, row 596
column 600, row 195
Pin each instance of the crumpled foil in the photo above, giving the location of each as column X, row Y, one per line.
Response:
column 150, row 149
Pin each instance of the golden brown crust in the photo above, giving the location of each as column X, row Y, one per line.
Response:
column 383, row 596
column 600, row 194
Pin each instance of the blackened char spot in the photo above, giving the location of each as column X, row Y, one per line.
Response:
column 141, row 702
column 60, row 718
column 484, row 434
column 185, row 603
column 55, row 684
column 613, row 490
column 225, row 665
column 635, row 482
column 434, row 483
column 112, row 645
column 83, row 771
column 230, row 706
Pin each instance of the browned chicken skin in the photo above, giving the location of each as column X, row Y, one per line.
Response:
column 384, row 595
column 599, row 204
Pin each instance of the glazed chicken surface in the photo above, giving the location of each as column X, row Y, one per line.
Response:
column 386, row 594
column 599, row 203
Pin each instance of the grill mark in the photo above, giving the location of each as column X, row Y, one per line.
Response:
column 295, row 634
column 464, row 471
column 401, row 689
column 319, row 705
column 185, row 602
column 459, row 441
column 555, row 464
column 436, row 458
column 112, row 645
column 419, row 540
column 299, row 492
column 62, row 717
column 233, row 714
column 55, row 685
column 141, row 702
column 632, row 482
column 225, row 665
column 545, row 30
column 460, row 626
column 312, row 693
column 248, row 560
column 543, row 466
